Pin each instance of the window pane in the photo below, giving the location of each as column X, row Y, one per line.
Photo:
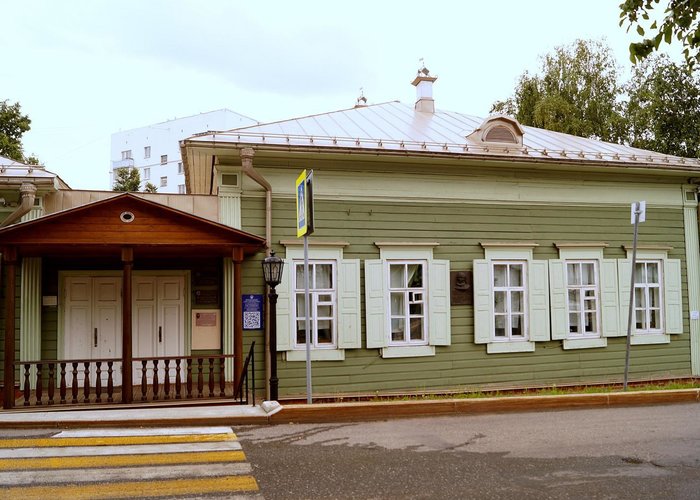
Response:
column 499, row 275
column 640, row 298
column 589, row 293
column 516, row 322
column 397, row 304
column 301, row 338
column 396, row 276
column 301, row 313
column 324, row 276
column 590, row 325
column 589, row 305
column 574, row 296
column 516, row 275
column 516, row 302
column 416, row 328
column 325, row 332
column 300, row 277
column 500, row 326
column 573, row 323
column 654, row 297
column 499, row 302
column 397, row 329
column 652, row 272
column 415, row 276
column 573, row 274
column 655, row 319
column 639, row 319
column 639, row 273
column 415, row 309
column 587, row 273
column 325, row 297
column 324, row 311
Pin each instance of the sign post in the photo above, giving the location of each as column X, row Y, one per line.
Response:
column 638, row 214
column 305, row 226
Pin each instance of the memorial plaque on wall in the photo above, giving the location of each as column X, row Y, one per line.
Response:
column 206, row 278
column 461, row 288
column 206, row 297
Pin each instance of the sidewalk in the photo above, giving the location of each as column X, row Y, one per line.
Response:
column 272, row 413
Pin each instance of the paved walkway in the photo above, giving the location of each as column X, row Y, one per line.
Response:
column 184, row 462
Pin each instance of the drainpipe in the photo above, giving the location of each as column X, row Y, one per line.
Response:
column 27, row 194
column 247, row 155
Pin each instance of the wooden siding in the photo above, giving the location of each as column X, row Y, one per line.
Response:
column 459, row 228
column 18, row 286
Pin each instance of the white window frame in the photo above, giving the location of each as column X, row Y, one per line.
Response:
column 581, row 310
column 146, row 173
column 181, row 189
column 147, row 151
column 406, row 316
column 126, row 155
column 347, row 302
column 163, row 159
column 164, row 181
column 180, row 168
column 436, row 280
column 536, row 297
column 314, row 293
column 647, row 310
column 508, row 290
column 670, row 294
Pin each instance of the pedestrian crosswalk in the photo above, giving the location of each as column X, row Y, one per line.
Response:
column 127, row 463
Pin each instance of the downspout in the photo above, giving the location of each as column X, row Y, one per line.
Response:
column 28, row 194
column 247, row 155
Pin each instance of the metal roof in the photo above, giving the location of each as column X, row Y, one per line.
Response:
column 394, row 126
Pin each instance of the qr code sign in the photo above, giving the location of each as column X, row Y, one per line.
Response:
column 251, row 320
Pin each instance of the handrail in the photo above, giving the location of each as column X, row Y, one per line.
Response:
column 250, row 359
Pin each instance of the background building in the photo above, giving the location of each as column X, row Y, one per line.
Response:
column 155, row 149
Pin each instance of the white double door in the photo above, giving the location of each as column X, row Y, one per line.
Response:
column 158, row 323
column 93, row 322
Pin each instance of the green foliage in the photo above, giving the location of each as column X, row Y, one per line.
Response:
column 127, row 179
column 664, row 108
column 679, row 22
column 13, row 124
column 576, row 92
column 150, row 188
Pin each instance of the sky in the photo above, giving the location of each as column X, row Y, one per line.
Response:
column 83, row 70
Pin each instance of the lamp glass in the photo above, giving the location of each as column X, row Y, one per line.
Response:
column 272, row 269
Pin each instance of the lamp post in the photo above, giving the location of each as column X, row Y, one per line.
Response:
column 272, row 271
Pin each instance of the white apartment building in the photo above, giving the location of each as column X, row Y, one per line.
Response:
column 155, row 149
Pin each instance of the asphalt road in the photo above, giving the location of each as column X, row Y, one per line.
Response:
column 639, row 453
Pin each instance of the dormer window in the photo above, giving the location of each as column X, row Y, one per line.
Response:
column 499, row 131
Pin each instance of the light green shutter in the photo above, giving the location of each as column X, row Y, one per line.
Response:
column 557, row 292
column 539, row 300
column 673, row 298
column 285, row 313
column 349, row 336
column 439, row 303
column 375, row 304
column 624, row 269
column 610, row 300
column 483, row 302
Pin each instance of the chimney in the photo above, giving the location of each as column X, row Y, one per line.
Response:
column 424, row 91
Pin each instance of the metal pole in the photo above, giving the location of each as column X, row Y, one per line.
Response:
column 307, row 328
column 274, row 381
column 631, row 308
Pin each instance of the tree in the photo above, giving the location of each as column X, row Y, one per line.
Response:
column 127, row 179
column 150, row 188
column 13, row 124
column 664, row 107
column 576, row 92
column 680, row 21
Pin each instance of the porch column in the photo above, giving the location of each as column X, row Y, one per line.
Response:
column 228, row 319
column 9, row 257
column 237, row 318
column 30, row 313
column 127, row 345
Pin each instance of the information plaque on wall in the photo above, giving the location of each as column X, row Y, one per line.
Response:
column 252, row 312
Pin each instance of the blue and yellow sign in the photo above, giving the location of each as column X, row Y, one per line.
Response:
column 305, row 204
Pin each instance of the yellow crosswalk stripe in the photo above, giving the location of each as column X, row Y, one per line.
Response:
column 121, row 460
column 135, row 489
column 112, row 440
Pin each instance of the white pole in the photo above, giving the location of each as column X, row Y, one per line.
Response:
column 637, row 212
column 307, row 328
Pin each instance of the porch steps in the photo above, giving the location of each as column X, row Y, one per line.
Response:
column 182, row 462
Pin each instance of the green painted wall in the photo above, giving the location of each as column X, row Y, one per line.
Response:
column 459, row 228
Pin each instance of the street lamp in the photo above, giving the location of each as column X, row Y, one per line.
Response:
column 272, row 272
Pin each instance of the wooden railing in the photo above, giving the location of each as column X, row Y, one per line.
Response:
column 98, row 381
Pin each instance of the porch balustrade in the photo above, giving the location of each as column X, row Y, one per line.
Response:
column 98, row 381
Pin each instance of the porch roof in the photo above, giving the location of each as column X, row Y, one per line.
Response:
column 104, row 227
